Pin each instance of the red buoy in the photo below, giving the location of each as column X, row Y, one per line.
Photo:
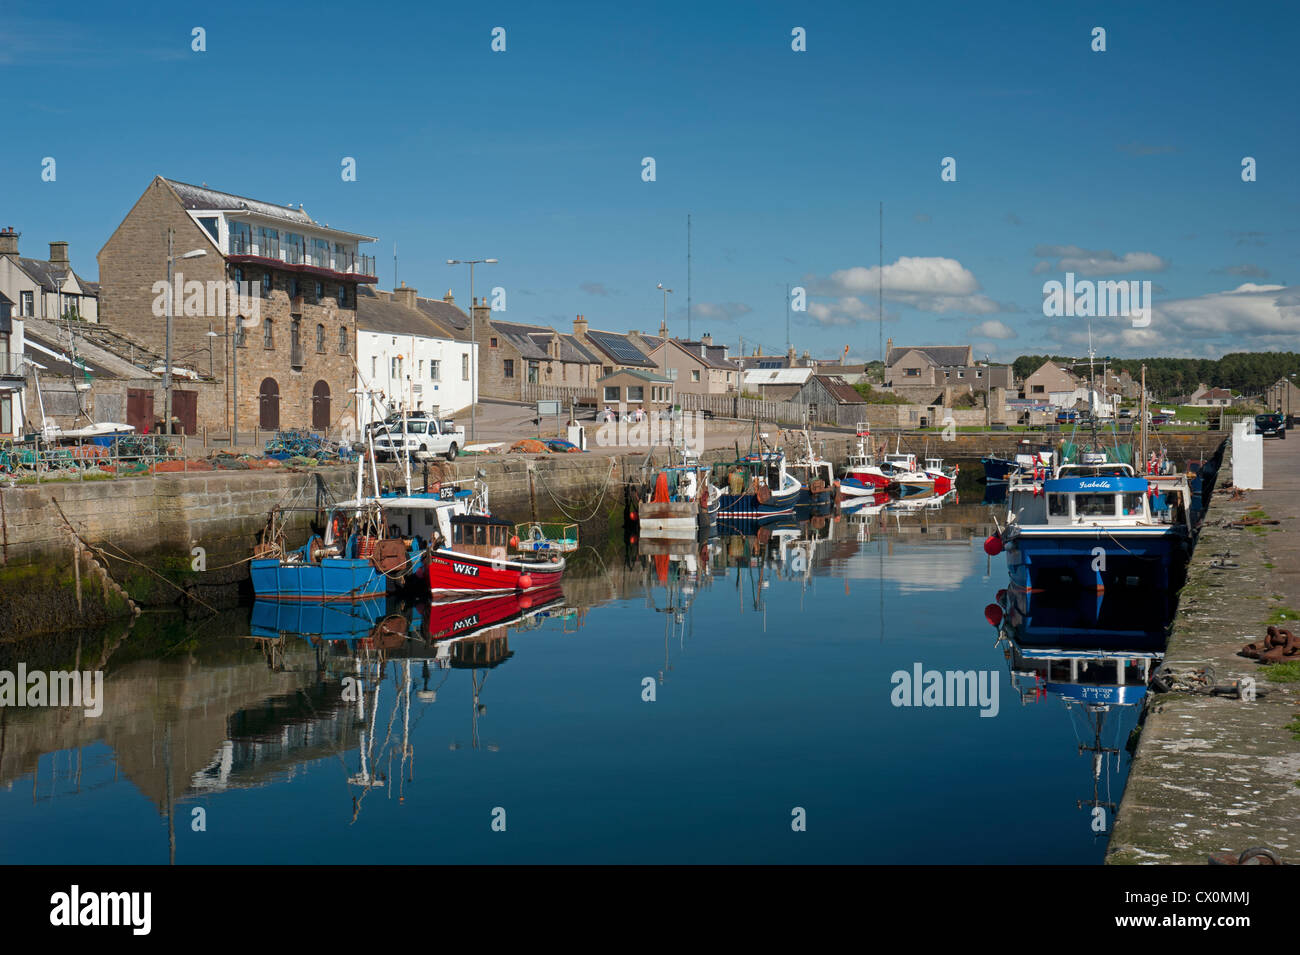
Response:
column 632, row 516
column 514, row 540
column 993, row 614
column 525, row 581
column 993, row 545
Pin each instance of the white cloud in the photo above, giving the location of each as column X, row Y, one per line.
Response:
column 930, row 284
column 1249, row 317
column 1072, row 258
column 993, row 329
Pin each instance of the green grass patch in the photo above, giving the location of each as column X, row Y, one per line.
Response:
column 1268, row 565
column 1283, row 615
column 1294, row 727
column 1288, row 672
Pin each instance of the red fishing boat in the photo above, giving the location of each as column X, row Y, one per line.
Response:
column 450, row 619
column 477, row 559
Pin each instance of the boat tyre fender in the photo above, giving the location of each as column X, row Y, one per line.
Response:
column 817, row 486
column 315, row 548
column 704, row 497
column 762, row 493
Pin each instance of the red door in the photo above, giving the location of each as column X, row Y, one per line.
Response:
column 268, row 397
column 185, row 408
column 320, row 406
column 139, row 409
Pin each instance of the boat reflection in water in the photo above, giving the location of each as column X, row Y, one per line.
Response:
column 1096, row 655
column 372, row 661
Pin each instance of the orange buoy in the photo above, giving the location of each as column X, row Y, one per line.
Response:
column 525, row 581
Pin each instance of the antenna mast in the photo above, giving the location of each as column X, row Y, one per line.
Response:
column 688, row 277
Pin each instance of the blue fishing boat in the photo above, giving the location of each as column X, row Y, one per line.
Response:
column 757, row 488
column 1096, row 525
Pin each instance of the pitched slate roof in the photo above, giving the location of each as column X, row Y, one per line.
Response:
column 382, row 312
column 49, row 276
column 944, row 356
column 43, row 337
column 201, row 198
column 450, row 315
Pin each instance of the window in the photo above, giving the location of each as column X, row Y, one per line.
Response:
column 435, row 370
column 464, row 367
column 27, row 302
column 343, row 296
column 241, row 238
column 241, row 333
column 1038, row 389
column 238, row 275
column 979, row 374
column 209, row 223
column 532, row 372
column 7, row 413
column 1133, row 504
column 343, row 339
column 961, row 374
column 320, row 291
column 320, row 338
column 492, row 343
column 672, row 373
column 1058, row 505
column 509, row 367
column 320, row 253
column 268, row 282
column 295, row 289
column 293, row 248
column 635, row 393
column 911, row 372
column 695, row 375
column 268, row 242
column 611, row 393
column 268, row 339
column 416, row 427
column 1094, row 505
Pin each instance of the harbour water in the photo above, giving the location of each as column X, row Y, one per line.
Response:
column 744, row 700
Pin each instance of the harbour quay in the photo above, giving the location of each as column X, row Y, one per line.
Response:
column 1217, row 766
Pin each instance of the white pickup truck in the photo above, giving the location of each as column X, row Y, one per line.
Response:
column 420, row 437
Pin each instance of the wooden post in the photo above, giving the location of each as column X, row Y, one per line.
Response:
column 76, row 570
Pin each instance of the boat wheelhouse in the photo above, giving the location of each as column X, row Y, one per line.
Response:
column 675, row 503
column 476, row 558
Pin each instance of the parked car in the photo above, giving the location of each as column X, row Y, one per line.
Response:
column 1271, row 425
column 420, row 437
column 1126, row 412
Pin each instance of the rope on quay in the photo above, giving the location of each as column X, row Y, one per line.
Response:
column 599, row 500
column 126, row 558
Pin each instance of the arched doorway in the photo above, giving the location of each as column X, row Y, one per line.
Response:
column 320, row 406
column 268, row 398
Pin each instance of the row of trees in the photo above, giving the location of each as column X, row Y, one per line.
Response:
column 1242, row 372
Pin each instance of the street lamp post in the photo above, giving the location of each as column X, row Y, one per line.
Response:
column 667, row 292
column 167, row 371
column 473, row 336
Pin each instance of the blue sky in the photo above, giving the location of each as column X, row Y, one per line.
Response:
column 1122, row 165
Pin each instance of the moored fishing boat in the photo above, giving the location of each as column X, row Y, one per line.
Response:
column 945, row 478
column 675, row 502
column 814, row 473
column 757, row 488
column 1093, row 525
column 476, row 558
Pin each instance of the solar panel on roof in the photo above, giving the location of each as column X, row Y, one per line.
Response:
column 620, row 348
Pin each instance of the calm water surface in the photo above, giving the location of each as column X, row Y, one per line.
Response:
column 770, row 662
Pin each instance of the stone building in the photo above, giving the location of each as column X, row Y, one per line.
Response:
column 45, row 288
column 268, row 301
column 696, row 367
column 513, row 355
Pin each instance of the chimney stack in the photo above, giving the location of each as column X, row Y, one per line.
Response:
column 9, row 241
column 482, row 313
column 59, row 255
column 707, row 339
column 449, row 298
column 405, row 295
column 579, row 328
